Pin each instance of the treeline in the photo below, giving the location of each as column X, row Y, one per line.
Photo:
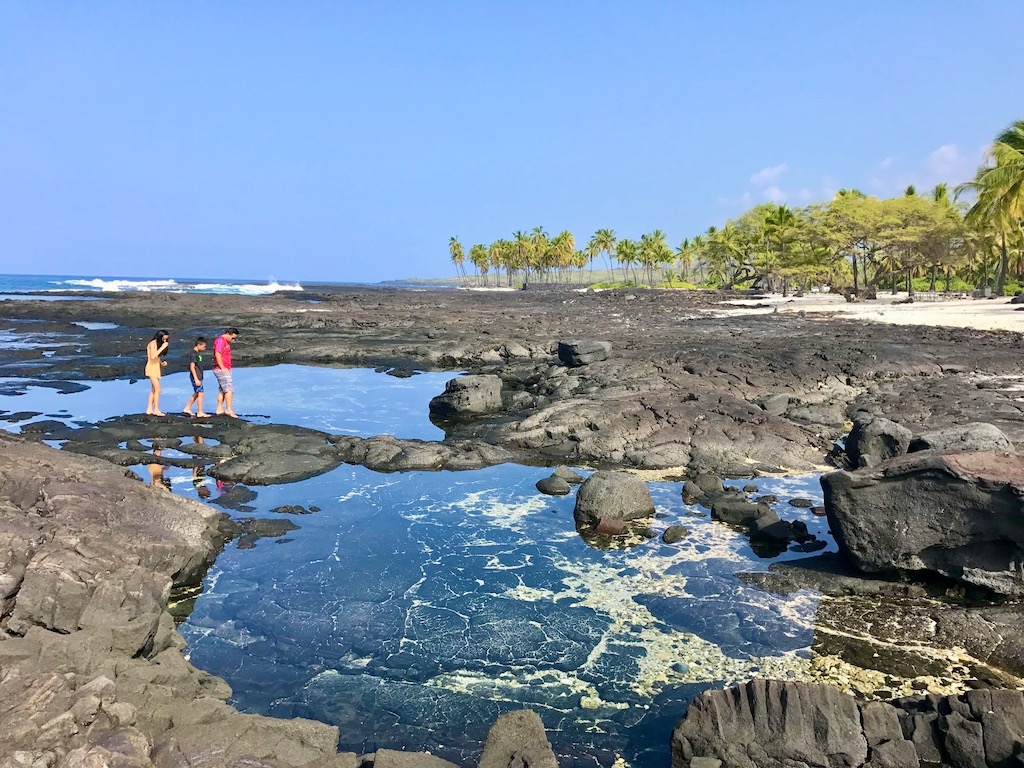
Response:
column 940, row 239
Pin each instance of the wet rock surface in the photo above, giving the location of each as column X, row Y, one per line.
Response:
column 772, row 723
column 237, row 451
column 685, row 387
column 92, row 666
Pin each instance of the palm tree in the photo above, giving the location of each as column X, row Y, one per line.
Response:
column 458, row 256
column 605, row 241
column 999, row 186
column 626, row 255
column 522, row 250
column 684, row 257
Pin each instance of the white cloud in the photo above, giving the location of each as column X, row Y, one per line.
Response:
column 745, row 200
column 774, row 194
column 946, row 161
column 769, row 175
column 886, row 164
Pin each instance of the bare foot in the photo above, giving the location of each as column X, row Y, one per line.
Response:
column 202, row 415
column 158, row 413
column 219, row 412
column 188, row 412
column 232, row 414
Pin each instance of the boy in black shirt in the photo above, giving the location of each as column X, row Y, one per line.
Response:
column 195, row 371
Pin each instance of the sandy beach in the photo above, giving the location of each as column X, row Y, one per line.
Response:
column 995, row 314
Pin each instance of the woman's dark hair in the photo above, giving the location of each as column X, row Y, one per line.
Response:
column 159, row 337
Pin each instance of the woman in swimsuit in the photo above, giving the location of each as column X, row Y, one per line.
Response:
column 156, row 350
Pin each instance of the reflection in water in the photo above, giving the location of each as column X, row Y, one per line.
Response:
column 414, row 601
column 157, row 476
column 408, row 603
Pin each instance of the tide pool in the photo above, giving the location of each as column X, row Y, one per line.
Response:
column 412, row 609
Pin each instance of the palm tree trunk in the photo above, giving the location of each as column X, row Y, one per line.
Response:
column 1004, row 263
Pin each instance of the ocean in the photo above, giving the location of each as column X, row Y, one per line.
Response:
column 11, row 285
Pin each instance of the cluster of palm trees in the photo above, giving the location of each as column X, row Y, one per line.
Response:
column 855, row 242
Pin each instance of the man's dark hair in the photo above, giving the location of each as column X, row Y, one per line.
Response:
column 232, row 330
column 200, row 339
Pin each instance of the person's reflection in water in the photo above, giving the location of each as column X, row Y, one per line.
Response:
column 156, row 475
column 199, row 478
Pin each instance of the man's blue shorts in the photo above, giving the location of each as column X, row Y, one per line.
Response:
column 196, row 388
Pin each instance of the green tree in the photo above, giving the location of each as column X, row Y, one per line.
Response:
column 458, row 256
column 999, row 190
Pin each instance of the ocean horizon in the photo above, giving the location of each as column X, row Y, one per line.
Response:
column 18, row 284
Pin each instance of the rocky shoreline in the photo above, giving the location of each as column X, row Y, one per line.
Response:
column 92, row 666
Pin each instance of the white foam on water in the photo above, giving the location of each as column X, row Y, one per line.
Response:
column 118, row 285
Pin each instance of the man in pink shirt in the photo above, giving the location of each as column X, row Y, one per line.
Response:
column 222, row 370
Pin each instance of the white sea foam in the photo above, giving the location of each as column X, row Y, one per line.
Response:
column 100, row 284
column 173, row 286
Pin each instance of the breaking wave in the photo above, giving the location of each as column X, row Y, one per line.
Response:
column 175, row 286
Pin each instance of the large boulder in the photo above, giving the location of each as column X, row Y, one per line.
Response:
column 577, row 353
column 961, row 439
column 467, row 397
column 612, row 495
column 959, row 515
column 873, row 440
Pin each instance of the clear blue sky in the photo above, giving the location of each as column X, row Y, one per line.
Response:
column 349, row 141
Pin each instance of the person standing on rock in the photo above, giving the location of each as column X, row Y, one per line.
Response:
column 222, row 370
column 156, row 351
column 196, row 358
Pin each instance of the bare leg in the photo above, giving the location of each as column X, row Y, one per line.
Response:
column 220, row 403
column 188, row 405
column 156, row 396
column 228, row 400
column 154, row 392
column 199, row 405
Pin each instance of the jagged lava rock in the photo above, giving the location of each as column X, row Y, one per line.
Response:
column 616, row 495
column 577, row 353
column 518, row 739
column 963, row 438
column 468, row 396
column 771, row 723
column 873, row 440
column 959, row 515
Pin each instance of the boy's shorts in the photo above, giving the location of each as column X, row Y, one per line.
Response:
column 197, row 388
column 224, row 380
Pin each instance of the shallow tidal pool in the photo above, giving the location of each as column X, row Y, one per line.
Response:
column 412, row 609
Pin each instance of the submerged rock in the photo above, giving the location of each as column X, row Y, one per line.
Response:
column 615, row 495
column 958, row 515
column 674, row 534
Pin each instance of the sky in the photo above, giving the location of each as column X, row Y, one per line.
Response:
column 348, row 141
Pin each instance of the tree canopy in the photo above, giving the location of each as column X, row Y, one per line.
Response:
column 854, row 243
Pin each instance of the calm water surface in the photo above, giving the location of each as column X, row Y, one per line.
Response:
column 412, row 609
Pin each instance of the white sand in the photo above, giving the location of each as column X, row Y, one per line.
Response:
column 983, row 314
